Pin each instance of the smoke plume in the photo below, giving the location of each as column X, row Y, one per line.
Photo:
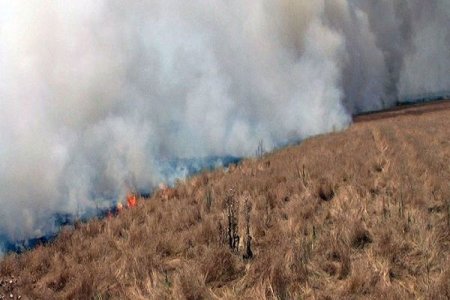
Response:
column 98, row 96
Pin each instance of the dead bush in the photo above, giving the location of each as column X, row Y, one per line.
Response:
column 325, row 190
column 360, row 237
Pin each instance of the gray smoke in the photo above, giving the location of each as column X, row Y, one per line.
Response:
column 96, row 95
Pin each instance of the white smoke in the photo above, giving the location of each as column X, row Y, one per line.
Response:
column 95, row 95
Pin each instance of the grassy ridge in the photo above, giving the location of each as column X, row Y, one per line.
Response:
column 363, row 213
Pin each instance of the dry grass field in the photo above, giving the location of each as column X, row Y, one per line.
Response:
column 359, row 214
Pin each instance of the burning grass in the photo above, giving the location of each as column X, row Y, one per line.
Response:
column 360, row 214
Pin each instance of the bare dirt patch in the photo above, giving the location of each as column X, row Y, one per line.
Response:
column 412, row 109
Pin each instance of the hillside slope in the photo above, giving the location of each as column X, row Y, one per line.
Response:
column 363, row 213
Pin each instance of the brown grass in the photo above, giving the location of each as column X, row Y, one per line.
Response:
column 362, row 214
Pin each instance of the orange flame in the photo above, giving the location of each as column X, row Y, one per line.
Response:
column 131, row 200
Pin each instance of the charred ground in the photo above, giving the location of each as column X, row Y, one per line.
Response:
column 363, row 213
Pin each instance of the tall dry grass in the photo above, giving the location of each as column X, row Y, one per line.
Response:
column 361, row 214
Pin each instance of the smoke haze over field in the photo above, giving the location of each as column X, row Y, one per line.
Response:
column 96, row 95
